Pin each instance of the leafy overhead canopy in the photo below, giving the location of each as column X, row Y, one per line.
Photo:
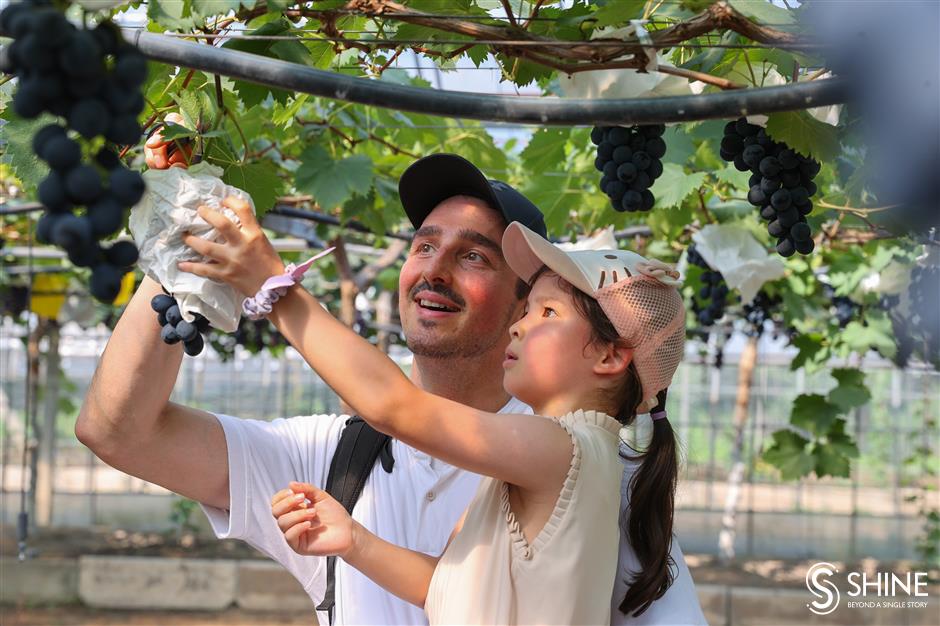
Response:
column 345, row 159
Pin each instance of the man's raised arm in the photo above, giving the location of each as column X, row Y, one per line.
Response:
column 129, row 422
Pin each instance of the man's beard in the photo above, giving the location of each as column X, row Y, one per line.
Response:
column 465, row 346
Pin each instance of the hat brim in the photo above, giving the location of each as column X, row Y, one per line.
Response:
column 429, row 181
column 526, row 252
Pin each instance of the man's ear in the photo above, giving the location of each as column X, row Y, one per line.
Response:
column 613, row 360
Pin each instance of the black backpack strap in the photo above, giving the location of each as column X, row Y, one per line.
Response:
column 359, row 446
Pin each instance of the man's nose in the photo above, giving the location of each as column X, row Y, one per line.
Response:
column 438, row 269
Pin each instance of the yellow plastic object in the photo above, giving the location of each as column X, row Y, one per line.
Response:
column 48, row 294
column 127, row 289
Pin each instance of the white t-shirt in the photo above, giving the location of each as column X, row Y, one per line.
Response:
column 679, row 606
column 415, row 506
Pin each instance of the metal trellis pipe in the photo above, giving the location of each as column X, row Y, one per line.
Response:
column 535, row 110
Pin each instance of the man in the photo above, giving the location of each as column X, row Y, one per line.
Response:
column 457, row 299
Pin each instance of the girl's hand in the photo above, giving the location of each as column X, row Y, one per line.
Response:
column 245, row 260
column 160, row 154
column 313, row 522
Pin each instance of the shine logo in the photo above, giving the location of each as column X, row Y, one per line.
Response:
column 873, row 590
column 826, row 592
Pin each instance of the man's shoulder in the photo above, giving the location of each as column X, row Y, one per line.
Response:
column 297, row 428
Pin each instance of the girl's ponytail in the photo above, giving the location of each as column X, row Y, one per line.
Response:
column 653, row 485
column 649, row 527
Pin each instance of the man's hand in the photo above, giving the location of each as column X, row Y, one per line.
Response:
column 245, row 260
column 161, row 155
column 313, row 522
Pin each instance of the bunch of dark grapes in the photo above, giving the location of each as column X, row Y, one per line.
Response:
column 252, row 335
column 844, row 308
column 781, row 183
column 92, row 79
column 708, row 304
column 630, row 159
column 759, row 311
column 175, row 329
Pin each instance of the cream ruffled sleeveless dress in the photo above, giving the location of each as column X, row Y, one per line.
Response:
column 490, row 574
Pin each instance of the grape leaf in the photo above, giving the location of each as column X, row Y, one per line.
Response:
column 292, row 51
column 170, row 14
column 207, row 8
column 679, row 146
column 322, row 54
column 259, row 180
column 546, row 150
column 522, row 72
column 388, row 278
column 18, row 151
column 877, row 334
column 478, row 54
column 851, row 390
column 810, row 346
column 674, row 185
column 805, row 134
column 813, row 412
column 829, row 462
column 840, row 441
column 284, row 115
column 200, row 106
column 834, row 451
column 732, row 176
column 788, row 454
column 619, row 12
column 556, row 196
column 764, row 11
column 478, row 148
column 331, row 183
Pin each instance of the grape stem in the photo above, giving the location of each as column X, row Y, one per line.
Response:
column 535, row 14
column 856, row 211
column 509, row 14
column 241, row 134
column 352, row 142
column 701, row 202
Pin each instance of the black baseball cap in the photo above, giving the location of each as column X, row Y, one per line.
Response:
column 429, row 181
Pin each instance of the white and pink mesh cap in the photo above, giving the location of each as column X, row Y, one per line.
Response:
column 638, row 295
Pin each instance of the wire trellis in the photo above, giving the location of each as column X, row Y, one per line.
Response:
column 590, row 43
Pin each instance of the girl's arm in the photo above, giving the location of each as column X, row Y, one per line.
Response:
column 525, row 450
column 315, row 524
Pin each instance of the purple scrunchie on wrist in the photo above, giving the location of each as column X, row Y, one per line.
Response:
column 262, row 303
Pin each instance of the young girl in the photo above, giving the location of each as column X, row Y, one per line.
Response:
column 602, row 334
